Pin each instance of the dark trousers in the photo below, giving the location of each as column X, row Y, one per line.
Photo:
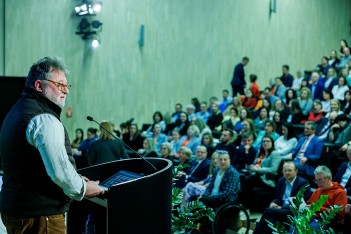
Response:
column 249, row 182
column 273, row 215
column 238, row 89
column 52, row 224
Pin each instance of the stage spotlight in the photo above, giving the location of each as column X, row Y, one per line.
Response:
column 88, row 8
column 96, row 24
column 97, row 6
column 95, row 42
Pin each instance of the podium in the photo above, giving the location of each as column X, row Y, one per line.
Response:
column 142, row 205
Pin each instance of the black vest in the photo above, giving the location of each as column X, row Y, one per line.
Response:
column 27, row 190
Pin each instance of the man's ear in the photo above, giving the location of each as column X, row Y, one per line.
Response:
column 38, row 85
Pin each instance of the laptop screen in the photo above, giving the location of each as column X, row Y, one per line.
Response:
column 120, row 177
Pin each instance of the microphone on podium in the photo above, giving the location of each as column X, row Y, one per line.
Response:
column 93, row 120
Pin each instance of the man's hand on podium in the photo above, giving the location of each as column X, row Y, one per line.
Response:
column 93, row 189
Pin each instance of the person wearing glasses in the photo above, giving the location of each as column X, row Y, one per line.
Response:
column 39, row 177
column 288, row 186
column 267, row 162
column 336, row 196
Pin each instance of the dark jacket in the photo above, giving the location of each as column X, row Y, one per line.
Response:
column 238, row 76
column 339, row 175
column 27, row 190
column 102, row 151
column 298, row 183
column 200, row 172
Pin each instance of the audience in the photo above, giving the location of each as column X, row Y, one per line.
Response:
column 267, row 162
column 193, row 190
column 279, row 209
column 324, row 121
column 158, row 119
column 336, row 196
column 224, row 185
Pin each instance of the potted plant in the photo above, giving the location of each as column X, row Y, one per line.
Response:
column 300, row 221
column 186, row 219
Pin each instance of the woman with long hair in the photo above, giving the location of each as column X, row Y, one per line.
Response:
column 107, row 148
column 287, row 142
column 79, row 138
column 149, row 148
column 340, row 89
column 133, row 138
column 267, row 161
column 207, row 141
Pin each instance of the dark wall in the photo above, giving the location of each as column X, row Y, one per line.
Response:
column 10, row 91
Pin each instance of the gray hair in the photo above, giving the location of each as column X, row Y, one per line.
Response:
column 323, row 170
column 43, row 68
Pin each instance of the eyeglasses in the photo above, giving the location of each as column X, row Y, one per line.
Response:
column 222, row 151
column 201, row 152
column 319, row 180
column 266, row 141
column 59, row 85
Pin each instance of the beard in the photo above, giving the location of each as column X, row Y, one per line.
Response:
column 54, row 98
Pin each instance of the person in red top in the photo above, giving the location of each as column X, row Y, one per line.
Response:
column 316, row 113
column 336, row 195
column 254, row 86
column 249, row 101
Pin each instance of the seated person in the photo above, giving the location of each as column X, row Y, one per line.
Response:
column 335, row 192
column 343, row 175
column 215, row 118
column 288, row 186
column 224, row 185
column 339, row 130
column 245, row 154
column 184, row 160
column 226, row 142
column 133, row 138
column 167, row 152
column 158, row 119
column 149, row 148
column 267, row 161
column 269, row 130
column 260, row 121
column 158, row 137
column 193, row 190
column 288, row 141
column 308, row 150
column 191, row 140
column 199, row 167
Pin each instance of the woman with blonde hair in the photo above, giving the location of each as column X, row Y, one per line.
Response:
column 107, row 148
